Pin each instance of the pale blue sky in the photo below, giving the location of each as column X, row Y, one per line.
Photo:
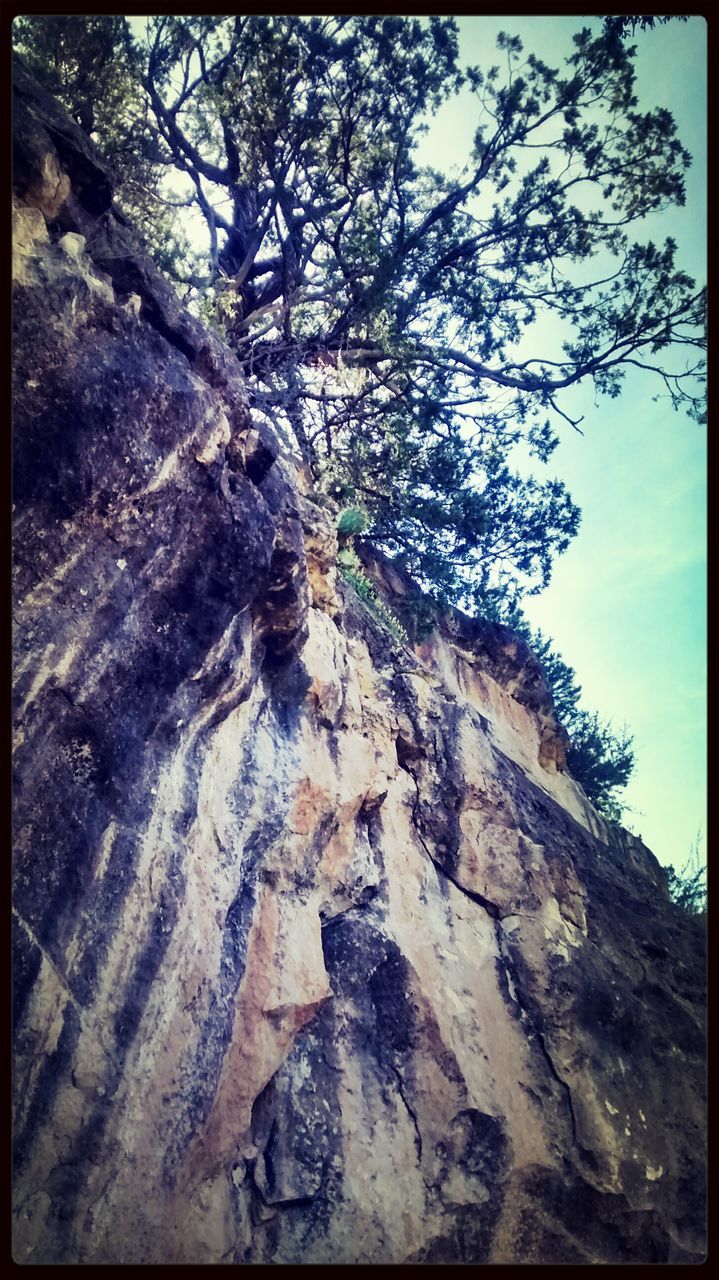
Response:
column 626, row 605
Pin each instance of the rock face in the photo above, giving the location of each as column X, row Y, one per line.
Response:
column 320, row 954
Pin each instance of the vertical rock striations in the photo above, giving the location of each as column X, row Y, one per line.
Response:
column 320, row 955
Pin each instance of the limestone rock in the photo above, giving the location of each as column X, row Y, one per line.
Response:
column 320, row 953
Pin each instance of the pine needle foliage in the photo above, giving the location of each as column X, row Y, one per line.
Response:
column 688, row 886
column 393, row 320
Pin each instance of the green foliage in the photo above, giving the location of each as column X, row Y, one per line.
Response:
column 351, row 521
column 93, row 67
column 599, row 758
column 420, row 613
column 687, row 887
column 218, row 306
column 389, row 318
column 353, row 573
column 622, row 26
column 87, row 64
column 414, row 616
column 454, row 527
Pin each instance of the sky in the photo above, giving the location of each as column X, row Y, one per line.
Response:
column 626, row 606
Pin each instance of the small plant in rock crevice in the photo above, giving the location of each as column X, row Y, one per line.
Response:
column 349, row 566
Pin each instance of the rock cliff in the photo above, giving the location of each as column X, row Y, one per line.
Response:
column 320, row 953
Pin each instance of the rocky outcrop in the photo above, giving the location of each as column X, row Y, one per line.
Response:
column 320, row 954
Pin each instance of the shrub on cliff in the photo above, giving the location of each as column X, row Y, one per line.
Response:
column 351, row 570
column 599, row 758
column 688, row 886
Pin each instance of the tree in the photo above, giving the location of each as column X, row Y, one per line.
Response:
column 601, row 760
column 622, row 26
column 91, row 65
column 390, row 319
column 687, row 887
column 87, row 63
column 387, row 314
column 374, row 301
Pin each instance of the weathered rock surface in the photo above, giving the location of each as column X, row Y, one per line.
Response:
column 321, row 956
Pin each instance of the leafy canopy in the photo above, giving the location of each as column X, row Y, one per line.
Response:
column 409, row 329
